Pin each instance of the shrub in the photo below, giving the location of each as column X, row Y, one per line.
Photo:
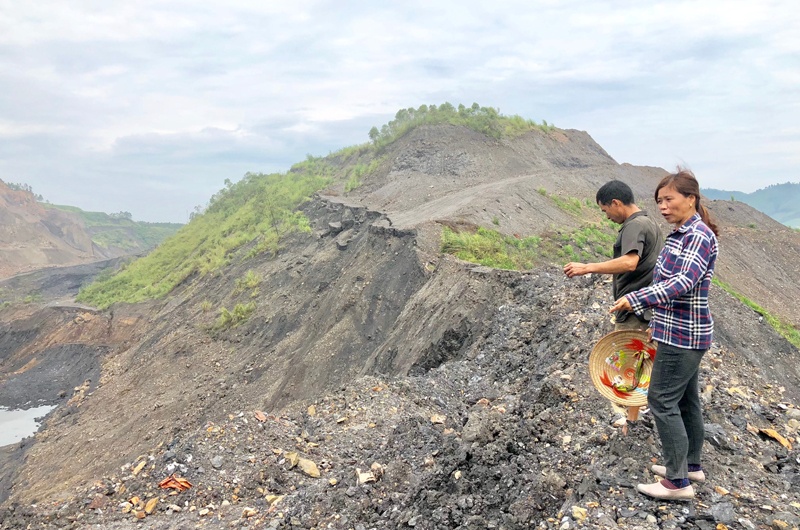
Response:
column 231, row 319
column 249, row 281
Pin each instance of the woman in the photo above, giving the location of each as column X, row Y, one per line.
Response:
column 682, row 328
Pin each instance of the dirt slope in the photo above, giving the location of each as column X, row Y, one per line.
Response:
column 32, row 236
column 466, row 386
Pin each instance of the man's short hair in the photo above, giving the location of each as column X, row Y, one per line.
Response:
column 614, row 189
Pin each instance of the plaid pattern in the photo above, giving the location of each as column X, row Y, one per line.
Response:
column 679, row 293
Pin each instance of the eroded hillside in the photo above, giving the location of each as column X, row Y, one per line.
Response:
column 34, row 235
column 424, row 391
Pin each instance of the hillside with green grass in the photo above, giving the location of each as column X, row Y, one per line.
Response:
column 119, row 231
column 779, row 201
column 257, row 213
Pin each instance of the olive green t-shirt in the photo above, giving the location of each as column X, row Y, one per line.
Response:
column 640, row 234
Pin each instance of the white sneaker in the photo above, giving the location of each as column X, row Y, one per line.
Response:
column 694, row 476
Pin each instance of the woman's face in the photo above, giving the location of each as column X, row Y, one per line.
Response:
column 675, row 208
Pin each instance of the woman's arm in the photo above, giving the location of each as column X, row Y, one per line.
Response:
column 684, row 270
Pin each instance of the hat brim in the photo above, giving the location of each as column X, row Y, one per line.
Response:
column 613, row 363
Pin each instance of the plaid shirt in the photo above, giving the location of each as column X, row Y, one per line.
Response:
column 679, row 293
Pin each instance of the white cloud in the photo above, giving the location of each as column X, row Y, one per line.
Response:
column 130, row 103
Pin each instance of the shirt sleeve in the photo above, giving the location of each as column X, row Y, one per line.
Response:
column 679, row 273
column 632, row 239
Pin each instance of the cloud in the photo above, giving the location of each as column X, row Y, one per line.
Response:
column 149, row 107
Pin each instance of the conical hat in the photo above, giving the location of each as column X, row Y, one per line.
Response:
column 612, row 366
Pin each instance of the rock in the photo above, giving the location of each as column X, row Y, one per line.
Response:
column 723, row 512
column 792, row 518
column 579, row 513
column 217, row 462
column 716, row 436
column 747, row 524
column 308, row 467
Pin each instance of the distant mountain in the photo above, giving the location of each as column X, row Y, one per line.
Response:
column 779, row 201
column 34, row 235
column 119, row 232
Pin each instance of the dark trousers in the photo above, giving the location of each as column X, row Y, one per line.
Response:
column 674, row 400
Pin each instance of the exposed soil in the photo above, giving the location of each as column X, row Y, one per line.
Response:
column 427, row 392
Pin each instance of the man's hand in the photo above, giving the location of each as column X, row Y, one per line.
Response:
column 620, row 305
column 576, row 269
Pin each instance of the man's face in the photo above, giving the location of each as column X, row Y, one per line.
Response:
column 613, row 211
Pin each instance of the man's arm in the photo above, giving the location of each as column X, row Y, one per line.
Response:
column 626, row 263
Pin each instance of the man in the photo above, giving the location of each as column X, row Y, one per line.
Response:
column 635, row 253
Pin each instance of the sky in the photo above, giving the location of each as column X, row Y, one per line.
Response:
column 147, row 107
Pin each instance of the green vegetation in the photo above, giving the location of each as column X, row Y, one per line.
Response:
column 231, row 319
column 491, row 248
column 358, row 172
column 250, row 282
column 21, row 186
column 485, row 120
column 569, row 204
column 119, row 230
column 31, row 298
column 786, row 330
column 259, row 211
column 592, row 242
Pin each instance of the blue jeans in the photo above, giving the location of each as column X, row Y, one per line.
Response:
column 674, row 400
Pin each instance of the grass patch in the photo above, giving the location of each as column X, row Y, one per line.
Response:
column 249, row 281
column 231, row 319
column 786, row 330
column 358, row 172
column 589, row 243
column 491, row 248
column 568, row 204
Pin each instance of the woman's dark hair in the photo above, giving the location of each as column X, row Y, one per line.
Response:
column 614, row 189
column 686, row 184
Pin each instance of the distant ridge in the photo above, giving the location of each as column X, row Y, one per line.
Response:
column 36, row 235
column 779, row 201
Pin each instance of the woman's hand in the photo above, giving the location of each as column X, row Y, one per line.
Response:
column 621, row 305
